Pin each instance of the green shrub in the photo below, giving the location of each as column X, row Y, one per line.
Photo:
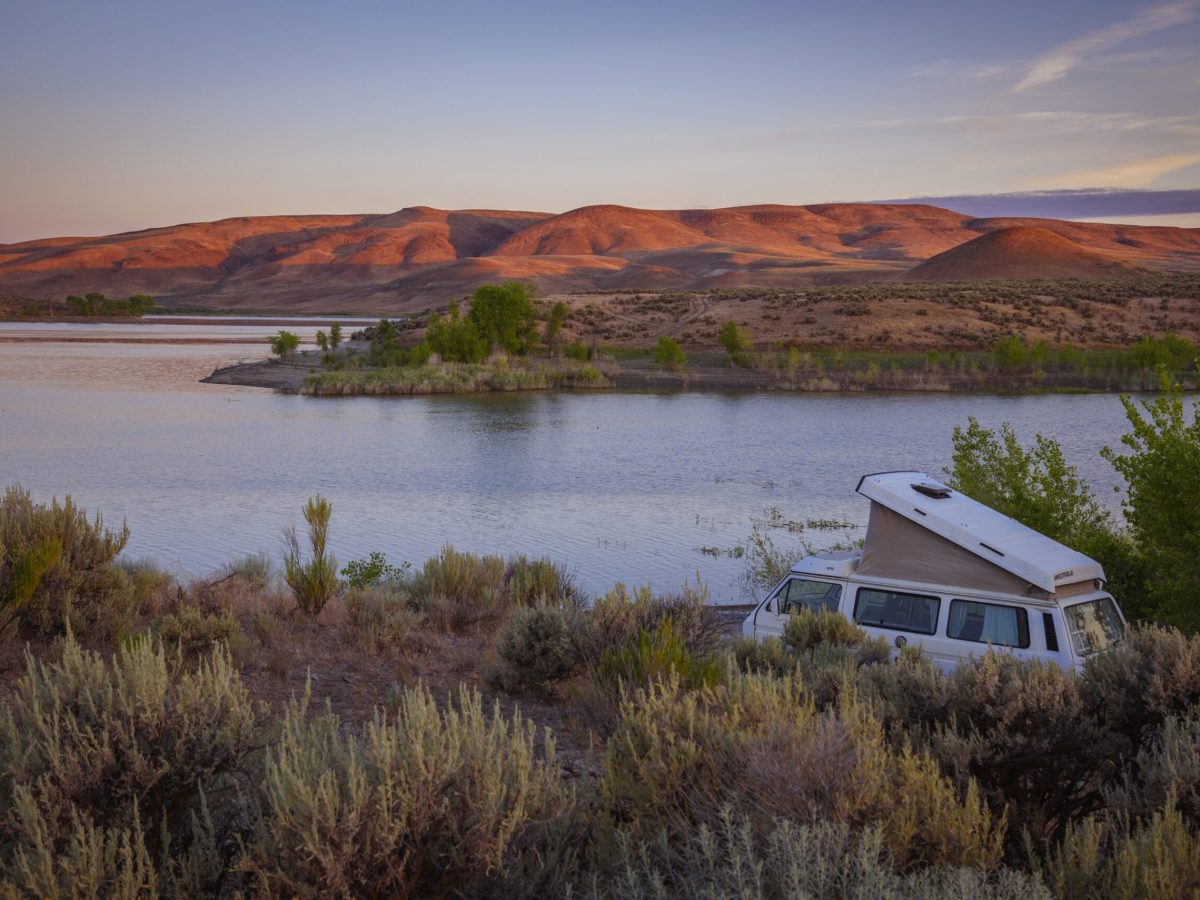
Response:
column 58, row 568
column 824, row 861
column 380, row 619
column 461, row 591
column 668, row 354
column 313, row 583
column 113, row 760
column 535, row 649
column 373, row 571
column 433, row 802
column 652, row 656
column 577, row 350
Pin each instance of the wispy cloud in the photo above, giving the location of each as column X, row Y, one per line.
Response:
column 1134, row 173
column 1062, row 59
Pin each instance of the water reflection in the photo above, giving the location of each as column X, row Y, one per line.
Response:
column 619, row 487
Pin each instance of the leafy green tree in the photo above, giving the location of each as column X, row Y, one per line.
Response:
column 668, row 354
column 504, row 315
column 454, row 338
column 322, row 340
column 1162, row 478
column 734, row 341
column 335, row 335
column 554, row 324
column 284, row 343
column 1037, row 487
column 1010, row 353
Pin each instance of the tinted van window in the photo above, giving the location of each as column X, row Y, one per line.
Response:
column 1095, row 625
column 896, row 610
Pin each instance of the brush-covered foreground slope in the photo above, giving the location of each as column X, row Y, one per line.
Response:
column 420, row 257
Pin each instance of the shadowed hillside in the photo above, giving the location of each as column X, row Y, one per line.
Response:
column 421, row 257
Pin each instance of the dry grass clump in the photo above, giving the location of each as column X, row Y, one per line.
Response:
column 381, row 620
column 57, row 569
column 446, row 802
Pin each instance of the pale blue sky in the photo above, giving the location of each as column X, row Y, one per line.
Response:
column 122, row 115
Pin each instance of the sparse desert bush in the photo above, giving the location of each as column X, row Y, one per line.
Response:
column 446, row 802
column 256, row 568
column 313, row 583
column 58, row 569
column 192, row 632
column 806, row 629
column 460, row 592
column 380, row 619
column 823, row 861
column 755, row 745
column 108, row 764
column 535, row 650
column 767, row 657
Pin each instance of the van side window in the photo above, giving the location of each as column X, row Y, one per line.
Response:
column 895, row 610
column 988, row 623
column 801, row 593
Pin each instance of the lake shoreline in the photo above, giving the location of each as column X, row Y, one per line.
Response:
column 302, row 374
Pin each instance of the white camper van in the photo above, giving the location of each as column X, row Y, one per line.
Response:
column 943, row 572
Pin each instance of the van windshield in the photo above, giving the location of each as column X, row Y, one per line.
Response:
column 1094, row 626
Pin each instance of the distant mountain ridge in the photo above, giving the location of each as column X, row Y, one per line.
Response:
column 420, row 257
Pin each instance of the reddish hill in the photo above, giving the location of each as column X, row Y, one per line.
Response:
column 1019, row 251
column 420, row 257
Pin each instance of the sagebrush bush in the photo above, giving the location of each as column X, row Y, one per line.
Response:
column 1153, row 673
column 1118, row 859
column 758, row 746
column 449, row 802
column 192, row 631
column 256, row 568
column 461, row 592
column 1165, row 771
column 535, row 650
column 806, row 629
column 616, row 618
column 381, row 619
column 113, row 759
column 823, row 861
column 57, row 568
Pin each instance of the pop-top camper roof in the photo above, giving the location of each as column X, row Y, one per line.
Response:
column 921, row 530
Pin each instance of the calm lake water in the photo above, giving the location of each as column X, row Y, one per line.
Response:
column 619, row 487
